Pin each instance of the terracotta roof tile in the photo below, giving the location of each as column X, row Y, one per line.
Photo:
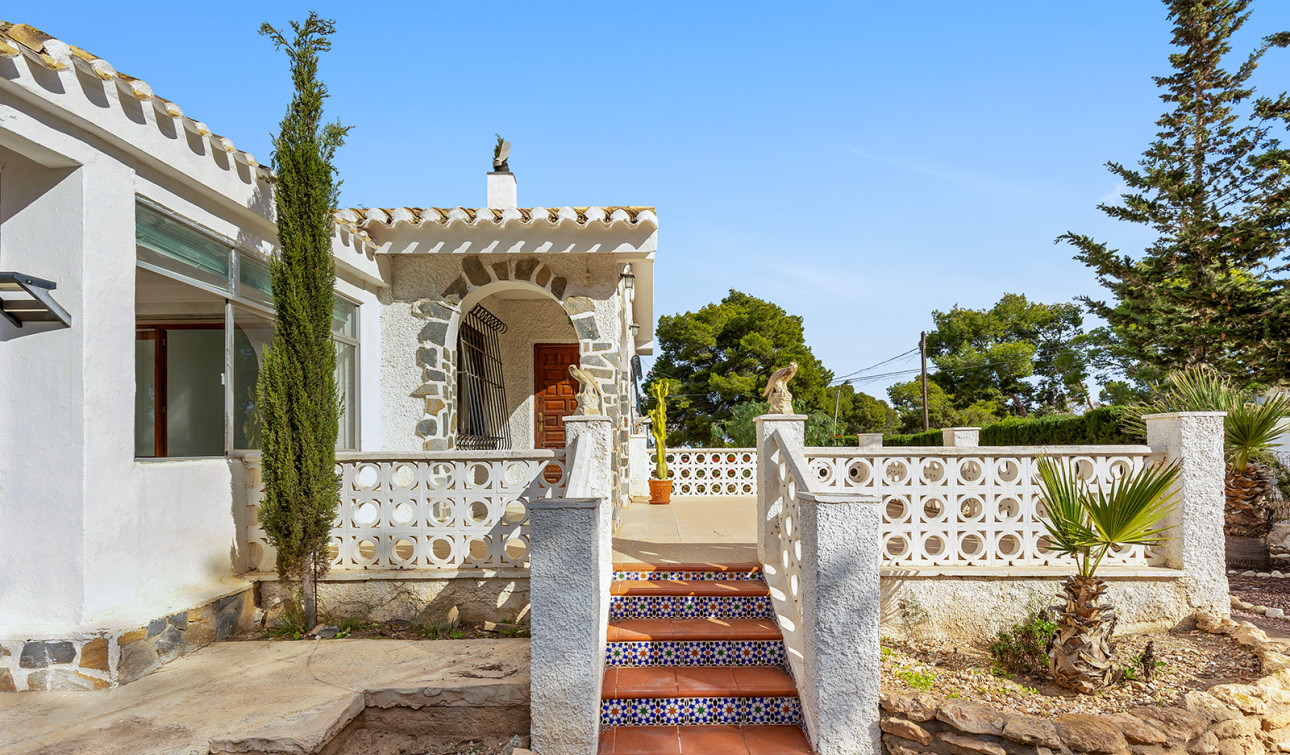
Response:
column 448, row 216
column 56, row 55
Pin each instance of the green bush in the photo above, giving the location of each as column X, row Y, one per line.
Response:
column 1103, row 426
column 1099, row 427
column 1023, row 649
column 929, row 438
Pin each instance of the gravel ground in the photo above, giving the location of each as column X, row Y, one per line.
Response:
column 1193, row 661
column 1273, row 592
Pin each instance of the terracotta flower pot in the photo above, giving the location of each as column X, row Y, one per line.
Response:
column 660, row 491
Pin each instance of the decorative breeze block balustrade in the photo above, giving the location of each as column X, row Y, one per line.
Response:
column 969, row 507
column 713, row 472
column 459, row 510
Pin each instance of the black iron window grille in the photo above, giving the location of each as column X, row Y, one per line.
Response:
column 482, row 422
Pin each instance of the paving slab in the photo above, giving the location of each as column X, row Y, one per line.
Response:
column 264, row 696
column 688, row 530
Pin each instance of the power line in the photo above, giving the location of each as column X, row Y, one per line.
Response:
column 870, row 367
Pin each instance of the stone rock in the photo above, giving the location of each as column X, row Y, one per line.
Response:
column 1249, row 573
column 169, row 644
column 576, row 305
column 435, row 332
column 454, row 617
column 133, row 636
column 155, row 626
column 893, row 746
column 474, row 270
column 42, row 654
column 1275, row 613
column 1241, row 746
column 1208, row 707
column 1245, row 697
column 543, row 276
column 972, row 718
column 899, row 727
column 918, row 708
column 1248, row 634
column 6, row 681
column 54, row 679
column 502, row 271
column 225, row 623
column 971, row 744
column 457, row 289
column 1263, row 574
column 1236, row 727
column 427, row 428
column 137, row 660
column 1147, row 749
column 4, row 651
column 1136, row 730
column 558, row 286
column 1031, row 731
column 1276, row 717
column 94, row 654
column 1087, row 733
column 524, row 268
column 1205, row 744
column 586, row 328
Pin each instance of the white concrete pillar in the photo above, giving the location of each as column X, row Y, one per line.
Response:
column 570, row 564
column 1194, row 440
column 792, row 432
column 961, row 437
column 870, row 440
column 840, row 621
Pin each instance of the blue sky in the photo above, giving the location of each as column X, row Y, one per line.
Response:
column 860, row 164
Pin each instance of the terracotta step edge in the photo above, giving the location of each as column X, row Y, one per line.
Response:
column 741, row 566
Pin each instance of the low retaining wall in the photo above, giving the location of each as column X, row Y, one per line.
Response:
column 971, row 605
column 107, row 657
column 1228, row 719
column 411, row 595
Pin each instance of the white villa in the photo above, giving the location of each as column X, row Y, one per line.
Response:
column 122, row 484
column 136, row 308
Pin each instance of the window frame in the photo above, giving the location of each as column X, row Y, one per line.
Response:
column 233, row 298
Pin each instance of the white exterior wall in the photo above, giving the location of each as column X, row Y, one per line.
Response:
column 89, row 536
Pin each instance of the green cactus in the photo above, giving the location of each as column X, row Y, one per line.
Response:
column 659, row 427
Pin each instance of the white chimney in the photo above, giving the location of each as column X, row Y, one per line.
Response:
column 502, row 191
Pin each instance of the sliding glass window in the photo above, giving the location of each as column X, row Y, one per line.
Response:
column 204, row 320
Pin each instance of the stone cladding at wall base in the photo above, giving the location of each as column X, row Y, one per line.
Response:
column 1228, row 719
column 109, row 658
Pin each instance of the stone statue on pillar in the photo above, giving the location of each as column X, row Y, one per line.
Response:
column 591, row 397
column 780, row 400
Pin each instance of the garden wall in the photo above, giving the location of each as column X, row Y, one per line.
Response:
column 1228, row 719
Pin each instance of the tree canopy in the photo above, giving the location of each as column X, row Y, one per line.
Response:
column 1215, row 189
column 1017, row 356
column 722, row 355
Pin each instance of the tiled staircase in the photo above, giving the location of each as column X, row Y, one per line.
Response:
column 695, row 664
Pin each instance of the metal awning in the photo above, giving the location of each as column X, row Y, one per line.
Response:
column 33, row 302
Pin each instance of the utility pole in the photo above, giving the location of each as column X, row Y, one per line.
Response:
column 922, row 347
column 837, row 403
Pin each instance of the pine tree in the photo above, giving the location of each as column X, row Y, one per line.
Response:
column 1215, row 187
column 298, row 399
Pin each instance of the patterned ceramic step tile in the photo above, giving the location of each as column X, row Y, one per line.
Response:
column 691, row 576
column 690, row 607
column 696, row 653
column 700, row 711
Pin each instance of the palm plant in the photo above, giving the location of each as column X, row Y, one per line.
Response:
column 1087, row 524
column 1251, row 429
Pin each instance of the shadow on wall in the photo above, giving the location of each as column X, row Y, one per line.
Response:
column 681, row 553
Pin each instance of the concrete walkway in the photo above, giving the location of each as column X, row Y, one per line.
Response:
column 689, row 530
column 266, row 696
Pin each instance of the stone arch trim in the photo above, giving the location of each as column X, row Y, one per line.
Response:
column 437, row 340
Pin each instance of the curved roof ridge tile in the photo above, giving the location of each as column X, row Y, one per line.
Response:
column 555, row 217
column 52, row 53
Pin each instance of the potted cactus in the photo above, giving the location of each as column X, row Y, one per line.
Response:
column 660, row 485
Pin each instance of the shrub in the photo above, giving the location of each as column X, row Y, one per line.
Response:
column 929, row 438
column 1023, row 649
column 1104, row 426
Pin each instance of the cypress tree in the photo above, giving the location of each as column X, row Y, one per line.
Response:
column 1215, row 188
column 298, row 399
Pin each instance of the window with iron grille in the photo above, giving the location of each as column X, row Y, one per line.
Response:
column 481, row 420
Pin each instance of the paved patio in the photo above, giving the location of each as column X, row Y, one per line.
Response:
column 271, row 697
column 689, row 530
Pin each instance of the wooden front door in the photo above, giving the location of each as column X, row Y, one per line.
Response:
column 555, row 392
